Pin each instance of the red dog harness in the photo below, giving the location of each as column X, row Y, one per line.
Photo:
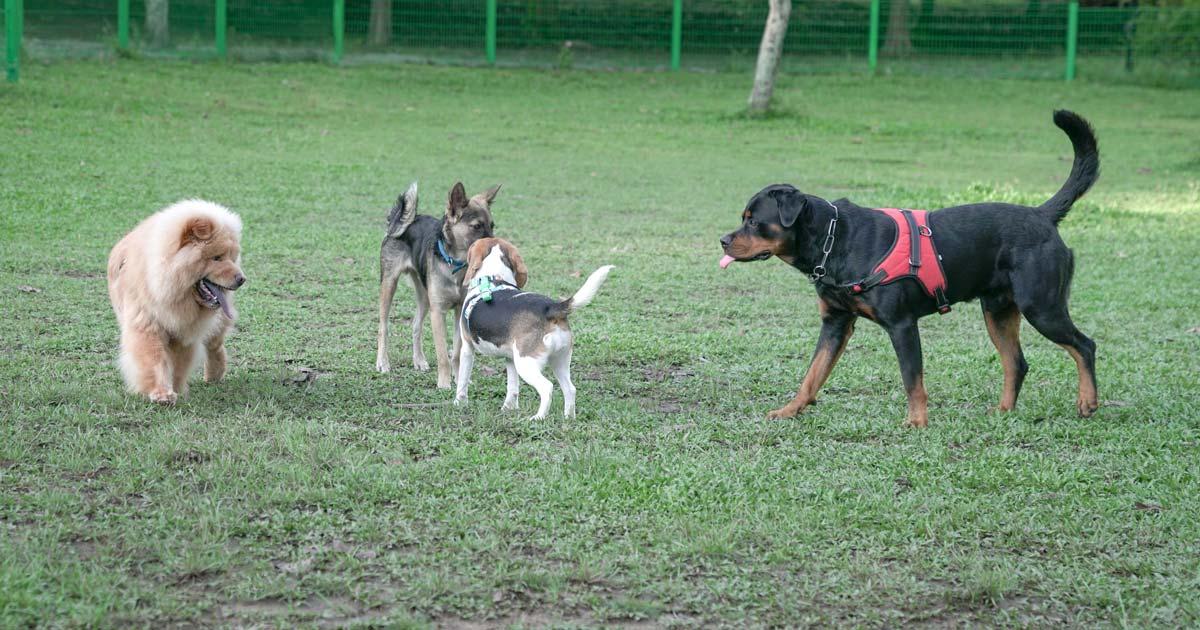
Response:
column 913, row 255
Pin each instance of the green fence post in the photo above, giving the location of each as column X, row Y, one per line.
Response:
column 12, row 35
column 676, row 34
column 222, row 13
column 339, row 29
column 1072, row 37
column 490, row 36
column 123, row 24
column 873, row 43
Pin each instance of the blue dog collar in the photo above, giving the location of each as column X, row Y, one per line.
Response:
column 455, row 264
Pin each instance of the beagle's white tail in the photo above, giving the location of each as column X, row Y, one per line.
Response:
column 588, row 291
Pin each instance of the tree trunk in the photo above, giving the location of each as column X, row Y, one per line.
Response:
column 380, row 31
column 769, row 53
column 158, row 26
column 899, row 42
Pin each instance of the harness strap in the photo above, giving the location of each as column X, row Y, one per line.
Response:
column 914, row 239
column 481, row 290
column 904, row 259
column 869, row 282
column 943, row 304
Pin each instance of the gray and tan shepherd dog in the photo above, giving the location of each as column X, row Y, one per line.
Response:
column 171, row 281
column 432, row 252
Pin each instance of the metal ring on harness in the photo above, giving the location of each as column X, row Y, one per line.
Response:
column 924, row 230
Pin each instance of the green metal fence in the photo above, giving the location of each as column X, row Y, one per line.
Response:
column 997, row 38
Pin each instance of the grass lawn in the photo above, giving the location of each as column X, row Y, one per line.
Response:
column 274, row 498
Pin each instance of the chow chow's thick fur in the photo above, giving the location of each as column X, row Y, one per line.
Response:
column 171, row 281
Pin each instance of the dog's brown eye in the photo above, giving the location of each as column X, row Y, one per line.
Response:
column 752, row 223
column 216, row 258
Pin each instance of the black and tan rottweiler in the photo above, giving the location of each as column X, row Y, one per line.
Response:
column 1010, row 257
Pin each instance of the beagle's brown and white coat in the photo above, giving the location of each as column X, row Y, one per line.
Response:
column 528, row 329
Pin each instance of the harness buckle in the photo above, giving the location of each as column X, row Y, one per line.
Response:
column 943, row 304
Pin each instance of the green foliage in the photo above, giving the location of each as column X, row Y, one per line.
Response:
column 1169, row 33
column 273, row 500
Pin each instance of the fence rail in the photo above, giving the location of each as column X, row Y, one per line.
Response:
column 1008, row 38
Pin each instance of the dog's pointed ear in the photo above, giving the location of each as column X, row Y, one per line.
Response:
column 490, row 194
column 197, row 230
column 791, row 205
column 457, row 202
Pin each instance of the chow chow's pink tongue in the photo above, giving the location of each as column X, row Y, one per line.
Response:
column 725, row 260
column 222, row 300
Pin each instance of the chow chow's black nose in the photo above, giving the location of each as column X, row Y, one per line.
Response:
column 238, row 281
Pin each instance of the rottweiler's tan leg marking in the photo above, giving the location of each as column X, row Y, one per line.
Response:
column 1087, row 402
column 836, row 329
column 1005, row 330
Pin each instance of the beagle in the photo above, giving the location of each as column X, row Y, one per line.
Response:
column 528, row 329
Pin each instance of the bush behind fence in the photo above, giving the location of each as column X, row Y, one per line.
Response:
column 1004, row 38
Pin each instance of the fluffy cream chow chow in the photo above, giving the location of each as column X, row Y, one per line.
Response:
column 171, row 281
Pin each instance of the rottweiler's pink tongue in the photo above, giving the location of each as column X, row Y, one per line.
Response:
column 725, row 260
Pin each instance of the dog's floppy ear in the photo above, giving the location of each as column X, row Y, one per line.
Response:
column 791, row 205
column 197, row 230
column 457, row 202
column 475, row 256
column 518, row 265
column 490, row 194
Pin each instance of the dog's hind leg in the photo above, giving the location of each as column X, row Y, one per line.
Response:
column 1004, row 327
column 561, row 364
column 1041, row 294
column 388, row 277
column 438, row 323
column 836, row 328
column 906, row 340
column 1056, row 325
column 418, row 324
column 530, row 370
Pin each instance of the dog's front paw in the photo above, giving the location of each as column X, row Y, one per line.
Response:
column 420, row 364
column 510, row 405
column 444, row 383
column 214, row 373
column 163, row 396
column 383, row 366
column 460, row 401
column 787, row 411
column 1087, row 407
